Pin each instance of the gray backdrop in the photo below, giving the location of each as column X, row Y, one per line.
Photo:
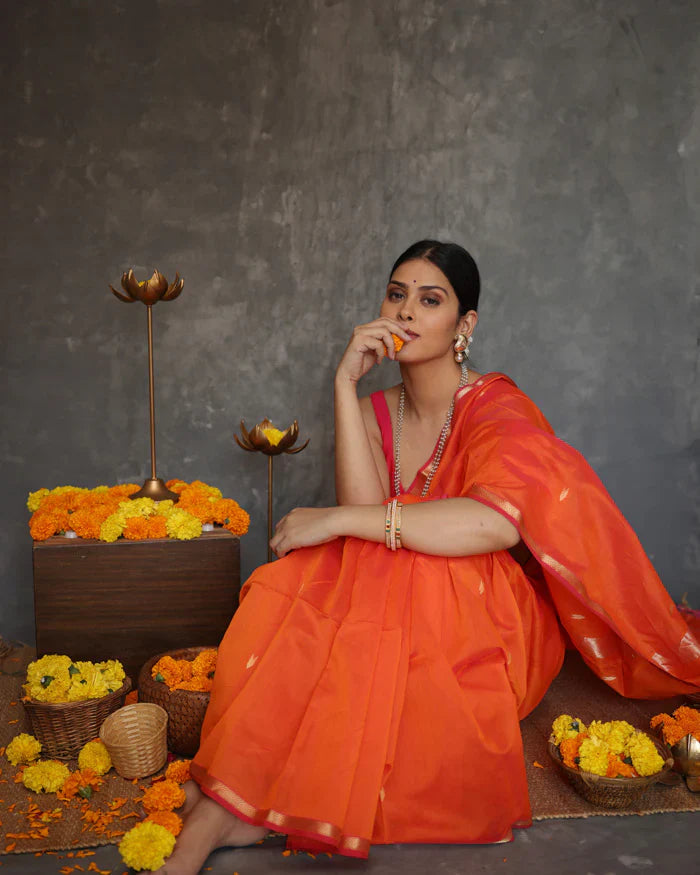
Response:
column 280, row 155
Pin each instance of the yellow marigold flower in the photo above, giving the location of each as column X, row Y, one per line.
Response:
column 48, row 678
column 94, row 755
column 111, row 529
column 178, row 771
column 645, row 757
column 163, row 796
column 183, row 525
column 143, row 507
column 35, row 498
column 171, row 821
column 593, row 756
column 614, row 732
column 566, row 726
column 46, row 776
column 176, row 485
column 113, row 672
column 23, row 749
column 146, row 846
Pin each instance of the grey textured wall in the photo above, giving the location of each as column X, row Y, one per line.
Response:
column 280, row 155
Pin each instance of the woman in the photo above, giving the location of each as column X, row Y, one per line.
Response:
column 370, row 685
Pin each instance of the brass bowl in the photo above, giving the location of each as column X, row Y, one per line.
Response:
column 686, row 760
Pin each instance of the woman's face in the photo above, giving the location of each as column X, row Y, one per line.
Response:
column 421, row 298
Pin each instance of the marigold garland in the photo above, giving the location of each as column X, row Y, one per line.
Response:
column 107, row 513
column 612, row 749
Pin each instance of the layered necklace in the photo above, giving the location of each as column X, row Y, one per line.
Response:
column 463, row 380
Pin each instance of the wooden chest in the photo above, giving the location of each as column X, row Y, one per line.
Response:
column 132, row 599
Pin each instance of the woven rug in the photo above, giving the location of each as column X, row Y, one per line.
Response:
column 576, row 691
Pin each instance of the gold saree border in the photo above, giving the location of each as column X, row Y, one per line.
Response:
column 486, row 496
column 317, row 830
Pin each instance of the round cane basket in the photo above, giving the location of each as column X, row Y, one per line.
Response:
column 185, row 708
column 135, row 737
column 612, row 792
column 64, row 727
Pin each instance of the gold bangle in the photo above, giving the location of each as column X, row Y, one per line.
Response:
column 387, row 526
column 397, row 527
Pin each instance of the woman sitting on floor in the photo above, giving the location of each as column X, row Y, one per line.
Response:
column 370, row 686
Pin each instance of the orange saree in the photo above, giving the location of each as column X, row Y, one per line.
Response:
column 365, row 697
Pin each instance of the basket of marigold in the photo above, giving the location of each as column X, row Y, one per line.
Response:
column 67, row 701
column 611, row 764
column 681, row 732
column 179, row 681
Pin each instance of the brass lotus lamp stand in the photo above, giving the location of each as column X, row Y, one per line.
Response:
column 149, row 292
column 265, row 438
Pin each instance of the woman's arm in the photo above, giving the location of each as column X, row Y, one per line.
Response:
column 444, row 527
column 360, row 470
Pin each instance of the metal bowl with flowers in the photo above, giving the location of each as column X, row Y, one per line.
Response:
column 611, row 764
column 681, row 732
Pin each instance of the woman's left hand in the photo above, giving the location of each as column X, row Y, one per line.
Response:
column 304, row 527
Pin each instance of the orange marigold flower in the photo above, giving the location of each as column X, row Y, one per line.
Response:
column 204, row 664
column 617, row 768
column 135, row 528
column 163, row 796
column 167, row 670
column 171, row 821
column 223, row 508
column 689, row 719
column 198, row 505
column 398, row 342
column 237, row 522
column 178, row 771
column 176, row 485
column 569, row 749
column 81, row 783
column 196, row 685
column 156, row 527
column 43, row 525
column 86, row 522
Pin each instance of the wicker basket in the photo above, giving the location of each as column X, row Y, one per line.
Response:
column 185, row 708
column 64, row 727
column 135, row 737
column 612, row 792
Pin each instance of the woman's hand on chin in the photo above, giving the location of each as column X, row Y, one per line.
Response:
column 368, row 345
column 304, row 527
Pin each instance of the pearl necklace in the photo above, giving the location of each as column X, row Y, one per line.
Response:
column 463, row 380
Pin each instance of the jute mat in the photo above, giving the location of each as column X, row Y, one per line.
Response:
column 576, row 691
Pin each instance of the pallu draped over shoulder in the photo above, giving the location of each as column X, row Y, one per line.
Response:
column 364, row 697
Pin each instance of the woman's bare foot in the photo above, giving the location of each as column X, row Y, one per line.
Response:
column 192, row 795
column 208, row 826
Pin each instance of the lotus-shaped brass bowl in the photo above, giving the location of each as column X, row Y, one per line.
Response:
column 149, row 291
column 265, row 438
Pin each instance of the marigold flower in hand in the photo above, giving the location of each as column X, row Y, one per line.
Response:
column 94, row 755
column 398, row 342
column 23, row 749
column 171, row 821
column 163, row 796
column 146, row 846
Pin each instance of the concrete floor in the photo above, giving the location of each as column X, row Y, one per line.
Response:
column 667, row 844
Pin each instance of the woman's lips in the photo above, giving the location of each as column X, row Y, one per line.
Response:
column 412, row 334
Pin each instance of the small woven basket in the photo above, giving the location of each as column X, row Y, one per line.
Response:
column 612, row 792
column 135, row 737
column 185, row 708
column 64, row 727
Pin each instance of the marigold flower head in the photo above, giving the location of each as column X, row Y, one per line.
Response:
column 618, row 768
column 593, row 756
column 157, row 527
column 237, row 522
column 176, row 485
column 569, row 749
column 566, row 726
column 94, row 755
column 83, row 783
column 43, row 525
column 136, row 528
column 113, row 672
column 183, row 525
column 398, row 342
column 46, row 776
column 614, row 732
column 163, row 796
column 167, row 671
column 23, row 749
column 178, row 771
column 35, row 498
column 196, row 685
column 111, row 529
column 146, row 846
column 204, row 664
column 645, row 757
column 48, row 678
column 199, row 486
column 171, row 821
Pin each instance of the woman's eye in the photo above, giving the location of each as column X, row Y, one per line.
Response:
column 393, row 295
column 431, row 302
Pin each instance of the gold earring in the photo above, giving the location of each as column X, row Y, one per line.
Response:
column 460, row 347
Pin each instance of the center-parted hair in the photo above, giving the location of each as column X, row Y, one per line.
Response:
column 455, row 262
